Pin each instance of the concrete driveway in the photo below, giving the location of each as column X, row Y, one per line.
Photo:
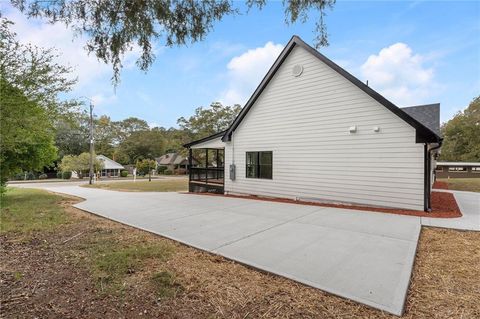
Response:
column 363, row 256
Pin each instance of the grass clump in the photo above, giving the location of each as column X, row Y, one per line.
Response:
column 165, row 284
column 30, row 210
column 112, row 263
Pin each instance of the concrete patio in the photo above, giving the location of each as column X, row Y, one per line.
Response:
column 363, row 256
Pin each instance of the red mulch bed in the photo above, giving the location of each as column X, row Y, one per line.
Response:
column 444, row 205
column 440, row 185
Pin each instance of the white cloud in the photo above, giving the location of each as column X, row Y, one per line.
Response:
column 246, row 71
column 400, row 75
column 93, row 75
column 102, row 99
column 71, row 50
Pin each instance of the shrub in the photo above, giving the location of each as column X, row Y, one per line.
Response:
column 42, row 176
column 168, row 172
column 66, row 175
column 161, row 169
column 124, row 173
column 59, row 174
column 31, row 176
column 19, row 176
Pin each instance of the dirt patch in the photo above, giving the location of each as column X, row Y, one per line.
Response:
column 440, row 185
column 49, row 277
column 444, row 205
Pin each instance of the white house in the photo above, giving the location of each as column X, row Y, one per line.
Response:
column 312, row 131
column 110, row 167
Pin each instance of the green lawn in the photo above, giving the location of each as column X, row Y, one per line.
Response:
column 28, row 210
column 109, row 253
column 162, row 185
column 463, row 184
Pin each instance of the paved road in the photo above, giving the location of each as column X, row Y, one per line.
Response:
column 363, row 256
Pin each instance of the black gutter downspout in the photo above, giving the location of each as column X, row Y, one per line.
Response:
column 426, row 183
column 428, row 171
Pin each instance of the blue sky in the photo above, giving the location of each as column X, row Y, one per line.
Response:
column 411, row 52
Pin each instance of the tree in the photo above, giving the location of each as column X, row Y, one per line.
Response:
column 27, row 137
column 72, row 134
column 145, row 167
column 80, row 163
column 462, row 135
column 114, row 27
column 208, row 121
column 30, row 85
column 129, row 125
column 141, row 145
column 105, row 134
column 35, row 73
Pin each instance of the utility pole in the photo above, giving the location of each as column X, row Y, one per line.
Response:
column 91, row 144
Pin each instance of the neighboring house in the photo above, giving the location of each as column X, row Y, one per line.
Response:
column 173, row 162
column 457, row 169
column 312, row 131
column 110, row 167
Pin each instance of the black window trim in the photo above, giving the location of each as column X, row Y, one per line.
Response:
column 257, row 163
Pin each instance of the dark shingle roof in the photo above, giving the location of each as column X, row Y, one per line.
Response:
column 428, row 115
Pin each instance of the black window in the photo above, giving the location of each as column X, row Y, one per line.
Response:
column 259, row 165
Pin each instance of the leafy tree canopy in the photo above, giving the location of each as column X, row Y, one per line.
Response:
column 72, row 134
column 462, row 135
column 114, row 27
column 27, row 136
column 80, row 163
column 141, row 145
column 30, row 82
column 145, row 166
column 34, row 72
column 208, row 121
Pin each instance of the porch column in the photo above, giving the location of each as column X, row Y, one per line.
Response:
column 206, row 166
column 190, row 165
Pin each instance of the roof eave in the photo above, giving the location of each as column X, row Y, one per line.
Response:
column 205, row 139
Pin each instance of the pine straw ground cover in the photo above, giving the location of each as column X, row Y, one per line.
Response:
column 90, row 267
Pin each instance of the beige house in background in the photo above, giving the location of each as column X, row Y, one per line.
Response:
column 173, row 161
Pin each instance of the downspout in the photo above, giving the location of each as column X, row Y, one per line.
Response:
column 428, row 172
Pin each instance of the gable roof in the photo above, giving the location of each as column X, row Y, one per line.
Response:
column 205, row 139
column 109, row 163
column 423, row 133
column 428, row 115
column 166, row 159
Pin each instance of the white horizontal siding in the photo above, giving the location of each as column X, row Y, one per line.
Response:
column 305, row 122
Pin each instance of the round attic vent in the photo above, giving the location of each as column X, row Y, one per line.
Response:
column 297, row 70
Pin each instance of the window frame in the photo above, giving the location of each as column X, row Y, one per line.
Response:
column 257, row 171
column 476, row 169
column 457, row 169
